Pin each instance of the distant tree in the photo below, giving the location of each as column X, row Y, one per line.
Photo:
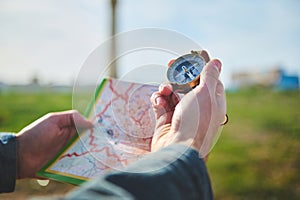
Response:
column 35, row 80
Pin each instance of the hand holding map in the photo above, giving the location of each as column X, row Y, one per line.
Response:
column 124, row 123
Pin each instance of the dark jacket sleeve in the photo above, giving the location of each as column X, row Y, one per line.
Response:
column 175, row 172
column 8, row 162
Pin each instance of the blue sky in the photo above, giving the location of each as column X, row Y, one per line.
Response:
column 51, row 39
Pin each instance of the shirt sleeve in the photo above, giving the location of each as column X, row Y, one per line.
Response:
column 8, row 162
column 175, row 172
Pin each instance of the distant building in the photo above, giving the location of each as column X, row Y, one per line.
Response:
column 277, row 79
column 287, row 82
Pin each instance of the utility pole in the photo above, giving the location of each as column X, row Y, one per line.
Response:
column 113, row 65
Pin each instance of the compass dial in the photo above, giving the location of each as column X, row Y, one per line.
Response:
column 185, row 69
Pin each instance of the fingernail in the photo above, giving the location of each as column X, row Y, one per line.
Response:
column 161, row 86
column 218, row 64
column 165, row 89
column 157, row 100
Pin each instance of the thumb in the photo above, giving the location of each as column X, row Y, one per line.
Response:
column 159, row 104
column 210, row 75
column 71, row 118
column 81, row 122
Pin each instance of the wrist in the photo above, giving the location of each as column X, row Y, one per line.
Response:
column 188, row 142
column 191, row 144
column 22, row 158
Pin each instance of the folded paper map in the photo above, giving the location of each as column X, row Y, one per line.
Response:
column 123, row 127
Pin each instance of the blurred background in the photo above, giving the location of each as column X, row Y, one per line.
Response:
column 43, row 45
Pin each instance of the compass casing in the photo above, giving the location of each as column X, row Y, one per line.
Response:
column 184, row 72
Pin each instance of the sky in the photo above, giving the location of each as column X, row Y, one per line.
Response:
column 51, row 39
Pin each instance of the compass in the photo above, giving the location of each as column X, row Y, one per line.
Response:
column 184, row 72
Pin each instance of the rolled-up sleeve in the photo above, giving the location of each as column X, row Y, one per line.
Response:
column 175, row 172
column 8, row 162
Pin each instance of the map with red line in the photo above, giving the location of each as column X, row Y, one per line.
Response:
column 123, row 127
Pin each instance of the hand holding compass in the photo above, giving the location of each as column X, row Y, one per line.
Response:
column 194, row 120
column 184, row 72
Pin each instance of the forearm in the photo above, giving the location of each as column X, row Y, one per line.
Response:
column 175, row 172
column 8, row 162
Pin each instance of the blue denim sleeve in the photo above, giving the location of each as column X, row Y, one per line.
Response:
column 8, row 162
column 176, row 172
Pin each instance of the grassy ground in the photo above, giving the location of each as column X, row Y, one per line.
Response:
column 256, row 157
column 258, row 154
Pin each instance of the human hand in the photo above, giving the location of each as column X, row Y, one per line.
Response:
column 196, row 118
column 40, row 141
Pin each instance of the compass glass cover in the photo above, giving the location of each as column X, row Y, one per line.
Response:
column 185, row 69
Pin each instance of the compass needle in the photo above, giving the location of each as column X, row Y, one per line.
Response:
column 190, row 75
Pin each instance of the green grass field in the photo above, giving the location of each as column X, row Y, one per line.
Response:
column 256, row 157
column 258, row 154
